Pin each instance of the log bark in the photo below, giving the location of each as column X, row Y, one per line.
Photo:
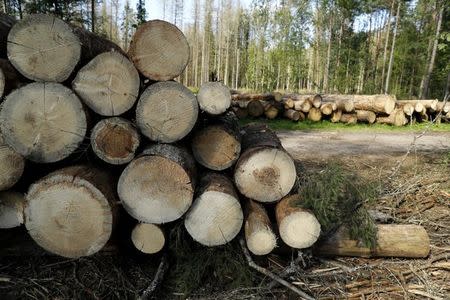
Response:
column 216, row 216
column 10, row 79
column 214, row 98
column 166, row 112
column 375, row 103
column 6, row 22
column 298, row 227
column 159, row 50
column 336, row 116
column 397, row 118
column 349, row 118
column 11, row 209
column 158, row 187
column 259, row 235
column 45, row 48
column 217, row 145
column 265, row 172
column 108, row 84
column 255, row 108
column 44, row 122
column 70, row 212
column 148, row 238
column 366, row 116
column 11, row 165
column 241, row 113
column 115, row 140
column 315, row 114
column 393, row 240
column 292, row 115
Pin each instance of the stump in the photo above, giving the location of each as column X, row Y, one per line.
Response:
column 159, row 50
column 166, row 112
column 265, row 172
column 44, row 122
column 115, row 140
column 108, row 84
column 11, row 209
column 11, row 166
column 214, row 98
column 298, row 227
column 261, row 239
column 158, row 187
column 70, row 212
column 148, row 238
column 216, row 216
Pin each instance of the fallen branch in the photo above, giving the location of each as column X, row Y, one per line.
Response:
column 159, row 276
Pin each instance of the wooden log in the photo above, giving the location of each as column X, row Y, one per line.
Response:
column 261, row 97
column 271, row 113
column 265, row 172
column 349, row 118
column 366, row 116
column 158, row 187
column 216, row 216
column 6, row 22
column 11, row 209
column 397, row 118
column 45, row 48
column 148, row 238
column 315, row 114
column 430, row 104
column 259, row 235
column 166, row 112
column 444, row 108
column 289, row 103
column 159, row 50
column 2, row 82
column 408, row 108
column 70, row 212
column 298, row 104
column 393, row 240
column 241, row 113
column 327, row 108
column 10, row 79
column 316, row 101
column 115, row 140
column 336, row 116
column 11, row 166
column 217, row 145
column 255, row 108
column 44, row 122
column 375, row 103
column 108, row 84
column 306, row 106
column 292, row 115
column 298, row 227
column 214, row 98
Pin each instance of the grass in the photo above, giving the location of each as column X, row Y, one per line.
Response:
column 282, row 124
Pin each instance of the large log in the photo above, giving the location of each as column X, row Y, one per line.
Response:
column 159, row 50
column 70, row 212
column 392, row 241
column 115, row 140
column 11, row 209
column 148, row 238
column 158, row 187
column 216, row 216
column 349, row 118
column 166, row 112
column 44, row 122
column 10, row 79
column 214, row 98
column 44, row 48
column 217, row 145
column 6, row 22
column 420, row 104
column 315, row 114
column 11, row 165
column 298, row 227
column 255, row 108
column 397, row 118
column 265, row 172
column 292, row 115
column 375, row 103
column 108, row 84
column 259, row 235
column 366, row 116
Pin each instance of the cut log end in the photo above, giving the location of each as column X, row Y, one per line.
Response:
column 259, row 235
column 153, row 43
column 315, row 114
column 261, row 242
column 44, row 122
column 108, row 84
column 166, row 112
column 214, row 98
column 148, row 238
column 115, row 140
column 11, row 209
column 43, row 48
column 255, row 108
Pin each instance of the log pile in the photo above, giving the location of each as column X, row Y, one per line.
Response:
column 348, row 109
column 97, row 142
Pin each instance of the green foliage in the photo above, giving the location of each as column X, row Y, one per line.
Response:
column 141, row 13
column 337, row 197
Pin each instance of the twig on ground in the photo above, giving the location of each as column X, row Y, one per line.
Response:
column 159, row 276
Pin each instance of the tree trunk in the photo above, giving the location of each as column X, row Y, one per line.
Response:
column 71, row 212
column 265, row 172
column 255, row 108
column 44, row 122
column 315, row 114
column 292, row 115
column 93, row 16
column 214, row 98
column 386, row 43
column 115, row 140
column 298, row 227
column 216, row 216
column 11, row 166
column 391, row 58
column 397, row 118
column 148, row 238
column 166, row 112
column 11, row 209
column 44, row 48
column 217, row 145
column 158, row 187
column 349, row 118
column 393, row 240
column 259, row 235
column 366, row 116
column 6, row 22
column 108, row 84
column 154, row 42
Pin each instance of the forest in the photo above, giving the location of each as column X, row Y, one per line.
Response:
column 328, row 46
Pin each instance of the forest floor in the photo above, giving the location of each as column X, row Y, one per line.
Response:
column 418, row 192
